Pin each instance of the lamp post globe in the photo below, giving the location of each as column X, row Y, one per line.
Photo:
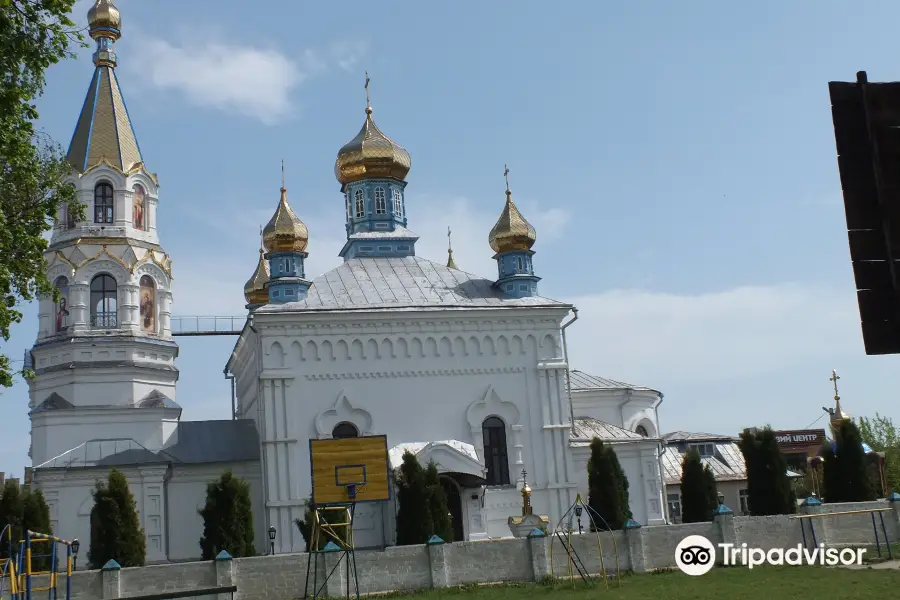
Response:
column 272, row 533
column 76, row 545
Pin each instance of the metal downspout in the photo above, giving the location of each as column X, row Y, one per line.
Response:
column 566, row 358
column 659, row 455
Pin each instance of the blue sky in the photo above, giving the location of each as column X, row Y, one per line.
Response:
column 678, row 163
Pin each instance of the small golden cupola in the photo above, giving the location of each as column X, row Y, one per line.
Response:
column 104, row 15
column 371, row 154
column 511, row 239
column 285, row 239
column 255, row 291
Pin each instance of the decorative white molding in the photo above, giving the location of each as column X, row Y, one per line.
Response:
column 343, row 411
column 419, row 373
column 491, row 405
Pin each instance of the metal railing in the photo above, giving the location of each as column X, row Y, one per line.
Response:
column 810, row 519
column 207, row 325
column 104, row 320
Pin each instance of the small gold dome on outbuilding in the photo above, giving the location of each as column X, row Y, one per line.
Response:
column 103, row 15
column 285, row 232
column 371, row 154
column 511, row 231
column 255, row 289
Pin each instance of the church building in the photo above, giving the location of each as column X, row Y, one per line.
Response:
column 468, row 371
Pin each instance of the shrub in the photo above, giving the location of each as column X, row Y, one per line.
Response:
column 227, row 518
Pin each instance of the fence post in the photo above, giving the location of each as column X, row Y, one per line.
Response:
column 723, row 519
column 224, row 573
column 540, row 557
column 437, row 560
column 634, row 540
column 812, row 530
column 111, row 580
column 894, row 503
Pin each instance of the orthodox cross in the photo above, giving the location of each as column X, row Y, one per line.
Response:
column 449, row 243
column 260, row 238
column 834, row 379
column 368, row 103
column 506, row 175
column 282, row 173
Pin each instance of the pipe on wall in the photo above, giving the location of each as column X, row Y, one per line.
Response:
column 566, row 359
column 659, row 455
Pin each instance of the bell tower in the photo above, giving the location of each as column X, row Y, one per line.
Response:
column 106, row 347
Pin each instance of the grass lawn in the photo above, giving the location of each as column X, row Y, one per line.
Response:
column 770, row 583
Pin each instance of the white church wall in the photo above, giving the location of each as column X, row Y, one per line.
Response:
column 622, row 408
column 640, row 466
column 187, row 496
column 55, row 432
column 412, row 381
column 69, row 495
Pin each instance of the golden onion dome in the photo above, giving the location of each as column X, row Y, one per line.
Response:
column 285, row 232
column 511, row 231
column 104, row 15
column 371, row 154
column 255, row 289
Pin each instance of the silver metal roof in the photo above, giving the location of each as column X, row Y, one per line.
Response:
column 409, row 282
column 588, row 429
column 686, row 436
column 579, row 380
column 727, row 464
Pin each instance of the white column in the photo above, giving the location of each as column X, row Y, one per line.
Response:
column 165, row 312
column 79, row 313
column 128, row 308
column 151, row 214
column 46, row 320
column 122, row 203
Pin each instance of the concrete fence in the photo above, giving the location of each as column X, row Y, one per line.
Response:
column 637, row 549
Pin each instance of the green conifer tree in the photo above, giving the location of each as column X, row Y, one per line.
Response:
column 11, row 513
column 414, row 521
column 36, row 518
column 698, row 489
column 116, row 532
column 607, row 488
column 846, row 467
column 227, row 518
column 769, row 488
column 442, row 525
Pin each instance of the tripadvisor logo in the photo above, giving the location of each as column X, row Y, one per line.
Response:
column 696, row 555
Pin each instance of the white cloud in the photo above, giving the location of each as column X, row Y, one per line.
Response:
column 255, row 82
column 347, row 53
column 656, row 338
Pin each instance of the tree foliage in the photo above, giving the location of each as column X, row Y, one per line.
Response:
column 24, row 510
column 414, row 518
column 698, row 489
column 769, row 489
column 881, row 435
column 116, row 532
column 441, row 523
column 227, row 518
column 34, row 34
column 846, row 469
column 607, row 488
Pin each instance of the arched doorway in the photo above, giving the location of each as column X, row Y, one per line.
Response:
column 454, row 504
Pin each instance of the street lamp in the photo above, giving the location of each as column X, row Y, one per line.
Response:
column 75, row 546
column 272, row 533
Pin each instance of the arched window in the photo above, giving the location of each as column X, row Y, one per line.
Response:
column 360, row 204
column 139, row 208
column 398, row 203
column 70, row 218
column 520, row 264
column 380, row 204
column 103, row 302
column 103, row 203
column 61, row 308
column 495, row 456
column 148, row 304
column 642, row 431
column 344, row 430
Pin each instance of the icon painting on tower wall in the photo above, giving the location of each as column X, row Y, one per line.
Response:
column 148, row 304
column 61, row 307
column 138, row 209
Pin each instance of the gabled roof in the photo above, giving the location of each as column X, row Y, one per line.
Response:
column 157, row 399
column 579, row 381
column 727, row 464
column 409, row 282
